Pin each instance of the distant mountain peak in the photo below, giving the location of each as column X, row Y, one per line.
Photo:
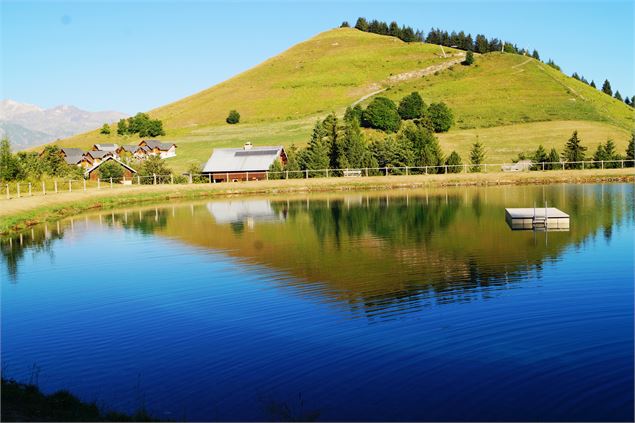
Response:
column 27, row 125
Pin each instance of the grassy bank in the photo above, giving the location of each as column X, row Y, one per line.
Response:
column 19, row 213
column 26, row 403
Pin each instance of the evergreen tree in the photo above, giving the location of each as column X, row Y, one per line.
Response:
column 110, row 169
column 354, row 144
column 382, row 114
column 553, row 160
column 592, row 84
column 606, row 87
column 411, row 106
column 354, row 113
column 453, row 162
column 535, row 55
column 618, row 96
column 362, row 24
column 105, row 129
column 317, row 152
column 575, row 76
column 477, row 156
column 539, row 157
column 481, row 45
column 469, row 58
column 599, row 155
column 394, row 30
column 441, row 117
column 611, row 155
column 8, row 164
column 630, row 152
column 345, row 25
column 574, row 151
column 52, row 162
column 627, row 100
column 276, row 171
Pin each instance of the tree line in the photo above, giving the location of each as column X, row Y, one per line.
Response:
column 574, row 151
column 140, row 124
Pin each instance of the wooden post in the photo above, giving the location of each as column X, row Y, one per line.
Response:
column 246, row 175
column 43, row 188
column 286, row 175
column 446, row 169
column 138, row 180
column 543, row 166
column 30, row 192
column 406, row 170
column 426, row 169
column 602, row 161
column 327, row 173
column 366, row 171
column 562, row 165
column 84, row 185
column 485, row 168
column 98, row 183
column 583, row 165
column 18, row 190
column 55, row 184
column 386, row 170
column 171, row 178
column 190, row 177
column 306, row 173
column 8, row 192
column 110, row 182
column 70, row 185
column 154, row 175
column 622, row 163
column 210, row 178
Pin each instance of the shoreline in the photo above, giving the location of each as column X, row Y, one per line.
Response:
column 20, row 213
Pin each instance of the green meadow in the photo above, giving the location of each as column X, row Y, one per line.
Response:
column 509, row 102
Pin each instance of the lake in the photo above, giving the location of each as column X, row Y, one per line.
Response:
column 401, row 305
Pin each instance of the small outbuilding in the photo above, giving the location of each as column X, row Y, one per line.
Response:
column 72, row 156
column 243, row 164
column 92, row 173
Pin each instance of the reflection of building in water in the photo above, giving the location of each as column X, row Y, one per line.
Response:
column 245, row 211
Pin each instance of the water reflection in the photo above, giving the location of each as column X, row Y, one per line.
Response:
column 378, row 254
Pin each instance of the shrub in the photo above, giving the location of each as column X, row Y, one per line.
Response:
column 411, row 106
column 469, row 58
column 105, row 130
column 477, row 156
column 233, row 117
column 151, row 166
column 382, row 114
column 440, row 116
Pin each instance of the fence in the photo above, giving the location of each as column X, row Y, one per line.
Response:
column 49, row 187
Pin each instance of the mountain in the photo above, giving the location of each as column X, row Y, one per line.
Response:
column 28, row 125
column 511, row 102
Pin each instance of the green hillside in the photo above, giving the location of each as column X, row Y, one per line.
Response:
column 511, row 102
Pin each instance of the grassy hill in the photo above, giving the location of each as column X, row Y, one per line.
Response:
column 511, row 102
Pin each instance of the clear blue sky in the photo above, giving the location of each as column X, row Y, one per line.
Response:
column 135, row 56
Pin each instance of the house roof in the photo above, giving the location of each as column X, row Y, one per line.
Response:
column 92, row 168
column 72, row 155
column 106, row 147
column 128, row 148
column 158, row 144
column 99, row 154
column 241, row 160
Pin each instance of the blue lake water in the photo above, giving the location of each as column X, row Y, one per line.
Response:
column 407, row 305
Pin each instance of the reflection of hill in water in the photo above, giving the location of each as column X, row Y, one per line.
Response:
column 384, row 255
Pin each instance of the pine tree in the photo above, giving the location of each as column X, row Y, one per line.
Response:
column 539, row 157
column 553, row 160
column 618, row 96
column 362, row 24
column 105, row 130
column 344, row 25
column 592, row 84
column 627, row 100
column 630, row 152
column 454, row 162
column 606, row 87
column 354, row 144
column 317, row 152
column 611, row 154
column 535, row 55
column 477, row 156
column 411, row 106
column 599, row 156
column 574, row 151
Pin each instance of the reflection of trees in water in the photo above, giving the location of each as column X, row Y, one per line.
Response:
column 37, row 240
column 143, row 221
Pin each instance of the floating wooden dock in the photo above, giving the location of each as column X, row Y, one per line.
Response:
column 541, row 218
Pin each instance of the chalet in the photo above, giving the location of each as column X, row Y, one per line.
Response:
column 97, row 156
column 122, row 150
column 161, row 149
column 72, row 156
column 243, row 164
column 141, row 152
column 93, row 172
column 111, row 148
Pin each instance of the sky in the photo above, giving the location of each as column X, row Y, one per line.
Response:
column 134, row 56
